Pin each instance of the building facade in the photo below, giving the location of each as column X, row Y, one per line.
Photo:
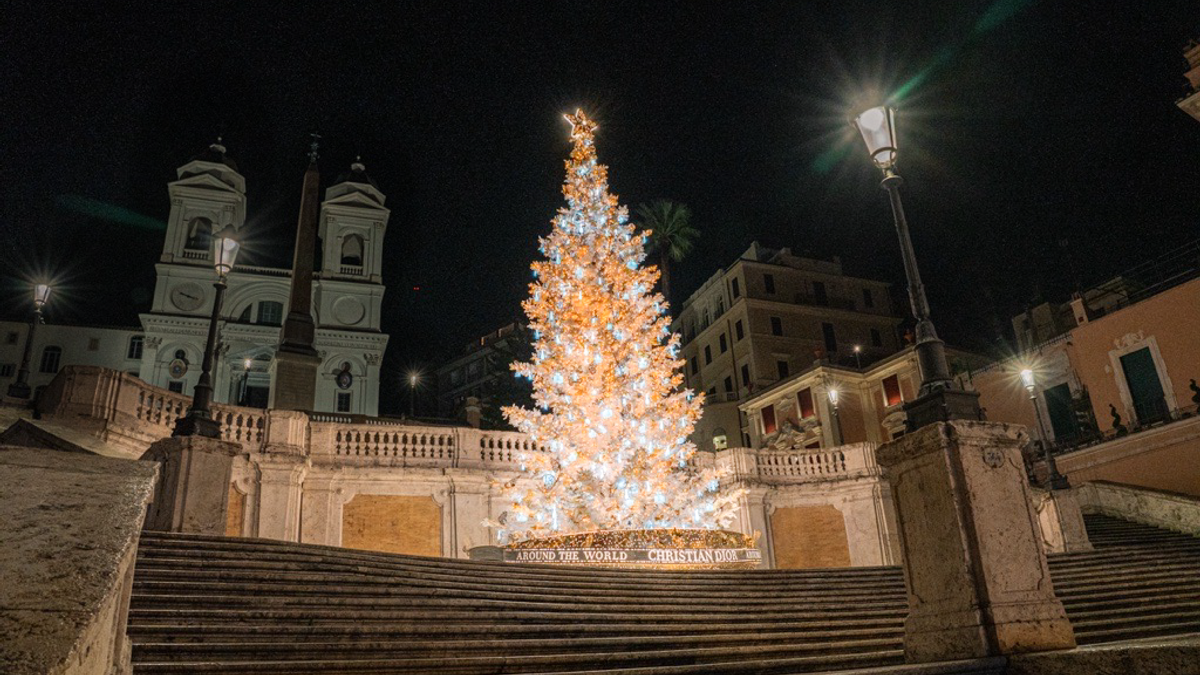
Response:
column 482, row 372
column 769, row 315
column 208, row 195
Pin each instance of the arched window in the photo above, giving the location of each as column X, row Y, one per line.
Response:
column 51, row 356
column 352, row 250
column 200, row 231
column 270, row 313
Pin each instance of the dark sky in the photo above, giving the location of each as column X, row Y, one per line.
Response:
column 1024, row 124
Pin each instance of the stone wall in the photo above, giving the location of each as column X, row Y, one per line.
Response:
column 69, row 525
column 809, row 536
column 393, row 524
column 1153, row 507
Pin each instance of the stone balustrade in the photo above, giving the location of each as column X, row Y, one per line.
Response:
column 123, row 409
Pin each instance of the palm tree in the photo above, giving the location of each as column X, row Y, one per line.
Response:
column 672, row 235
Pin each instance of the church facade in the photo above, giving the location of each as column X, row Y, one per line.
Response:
column 208, row 195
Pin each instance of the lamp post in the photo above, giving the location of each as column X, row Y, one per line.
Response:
column 199, row 421
column 414, row 378
column 245, row 380
column 837, row 421
column 1054, row 479
column 938, row 399
column 857, row 356
column 20, row 388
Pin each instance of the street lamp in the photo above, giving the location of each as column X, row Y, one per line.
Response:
column 857, row 356
column 245, row 380
column 20, row 388
column 414, row 378
column 199, row 421
column 938, row 399
column 837, row 421
column 1054, row 479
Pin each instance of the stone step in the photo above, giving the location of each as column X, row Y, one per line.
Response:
column 195, row 571
column 1135, row 569
column 139, row 614
column 311, row 649
column 650, row 663
column 1117, row 587
column 156, row 591
column 1164, row 628
column 1107, row 557
column 351, row 631
column 204, row 545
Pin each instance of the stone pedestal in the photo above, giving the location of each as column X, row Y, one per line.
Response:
column 1061, row 520
column 978, row 583
column 294, row 380
column 193, row 490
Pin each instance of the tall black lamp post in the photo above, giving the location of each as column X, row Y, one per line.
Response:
column 199, row 421
column 938, row 399
column 414, row 378
column 1054, row 479
column 20, row 388
column 837, row 421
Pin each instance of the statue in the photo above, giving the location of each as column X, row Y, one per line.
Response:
column 1116, row 421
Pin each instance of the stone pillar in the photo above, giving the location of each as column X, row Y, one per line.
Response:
column 978, row 583
column 321, row 512
column 473, row 412
column 1061, row 520
column 753, row 519
column 279, row 496
column 193, row 493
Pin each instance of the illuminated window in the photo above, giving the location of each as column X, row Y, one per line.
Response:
column 768, row 418
column 891, row 391
column 805, row 400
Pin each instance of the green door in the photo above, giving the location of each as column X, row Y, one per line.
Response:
column 1061, row 413
column 1144, row 386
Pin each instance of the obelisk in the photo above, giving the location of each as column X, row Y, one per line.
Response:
column 294, row 370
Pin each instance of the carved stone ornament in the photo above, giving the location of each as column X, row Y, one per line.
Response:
column 993, row 457
column 373, row 359
column 1129, row 339
column 154, row 342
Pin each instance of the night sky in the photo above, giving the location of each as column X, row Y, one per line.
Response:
column 1040, row 140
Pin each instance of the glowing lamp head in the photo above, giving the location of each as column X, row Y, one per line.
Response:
column 41, row 293
column 833, row 397
column 225, row 250
column 1027, row 379
column 878, row 128
column 414, row 378
column 247, row 363
column 857, row 349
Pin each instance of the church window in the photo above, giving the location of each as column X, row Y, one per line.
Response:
column 50, row 359
column 200, row 232
column 343, row 401
column 270, row 313
column 181, row 355
column 136, row 343
column 7, row 369
column 352, row 250
column 175, row 386
column 245, row 316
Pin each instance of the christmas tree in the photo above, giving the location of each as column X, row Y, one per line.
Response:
column 610, row 412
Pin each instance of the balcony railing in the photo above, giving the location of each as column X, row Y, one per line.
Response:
column 1152, row 415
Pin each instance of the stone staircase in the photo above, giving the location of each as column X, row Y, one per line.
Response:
column 221, row 605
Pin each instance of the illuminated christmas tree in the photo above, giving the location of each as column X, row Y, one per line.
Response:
column 610, row 411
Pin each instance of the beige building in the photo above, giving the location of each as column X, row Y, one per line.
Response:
column 767, row 316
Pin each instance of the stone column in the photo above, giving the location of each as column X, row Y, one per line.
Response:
column 193, row 493
column 978, row 583
column 321, row 513
column 279, row 495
